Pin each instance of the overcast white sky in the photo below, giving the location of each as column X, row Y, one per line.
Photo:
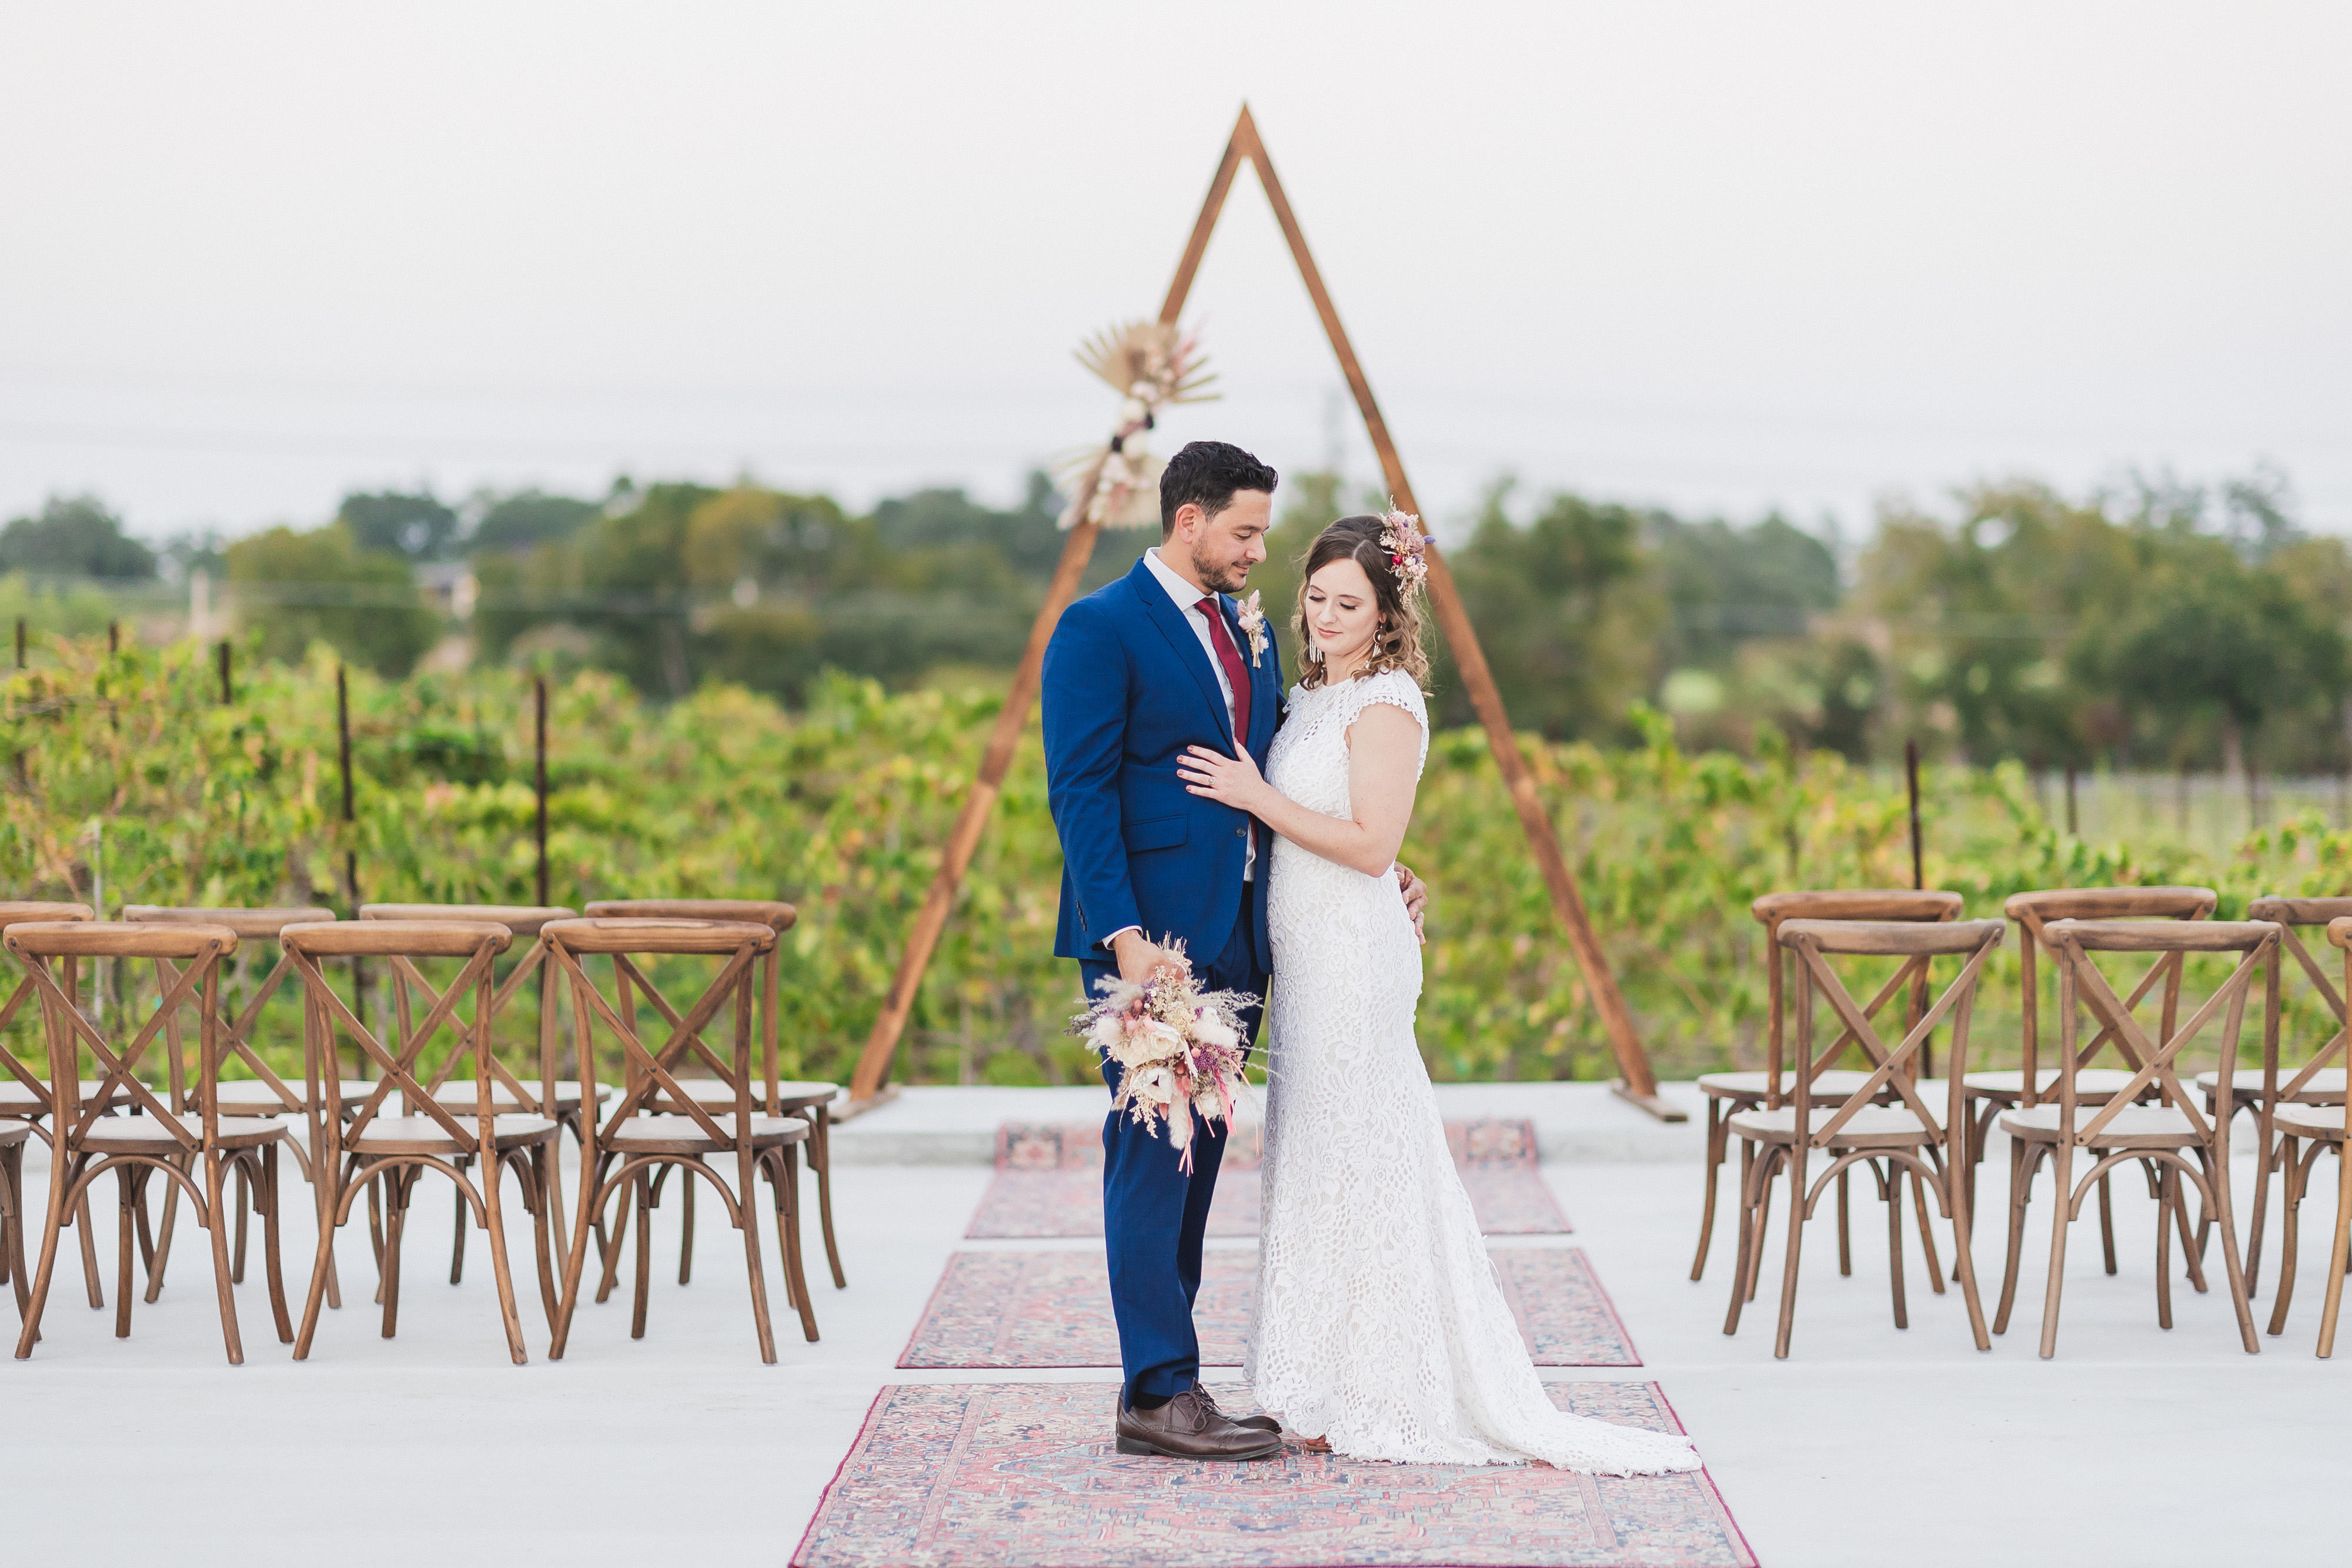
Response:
column 1723, row 257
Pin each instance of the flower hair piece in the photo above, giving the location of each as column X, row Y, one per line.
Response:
column 1408, row 548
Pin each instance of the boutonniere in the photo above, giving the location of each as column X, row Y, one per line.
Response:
column 1251, row 616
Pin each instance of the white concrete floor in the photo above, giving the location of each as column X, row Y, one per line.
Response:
column 1868, row 1446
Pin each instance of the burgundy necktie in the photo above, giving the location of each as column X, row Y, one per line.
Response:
column 1231, row 658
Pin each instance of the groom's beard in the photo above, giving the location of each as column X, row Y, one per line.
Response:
column 1221, row 578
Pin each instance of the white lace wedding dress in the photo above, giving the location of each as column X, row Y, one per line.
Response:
column 1381, row 1325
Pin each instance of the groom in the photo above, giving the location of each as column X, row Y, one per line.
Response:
column 1136, row 671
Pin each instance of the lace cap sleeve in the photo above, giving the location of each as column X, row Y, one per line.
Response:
column 1392, row 688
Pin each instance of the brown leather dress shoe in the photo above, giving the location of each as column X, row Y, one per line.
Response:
column 1188, row 1427
column 1255, row 1422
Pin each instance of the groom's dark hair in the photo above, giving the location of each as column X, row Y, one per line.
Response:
column 1205, row 474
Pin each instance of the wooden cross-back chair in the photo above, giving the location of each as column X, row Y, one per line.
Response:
column 1855, row 1128
column 1730, row 1092
column 89, row 1141
column 1988, row 1094
column 2174, row 1136
column 633, row 1143
column 2260, row 1091
column 555, row 1098
column 2306, row 1110
column 25, row 1100
column 810, row 1100
column 266, row 1094
column 366, row 1144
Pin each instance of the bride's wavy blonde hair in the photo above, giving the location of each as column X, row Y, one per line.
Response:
column 1396, row 645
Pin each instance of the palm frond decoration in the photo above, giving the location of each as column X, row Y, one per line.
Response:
column 1130, row 355
column 1151, row 365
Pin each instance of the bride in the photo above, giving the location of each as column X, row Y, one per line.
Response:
column 1381, row 1329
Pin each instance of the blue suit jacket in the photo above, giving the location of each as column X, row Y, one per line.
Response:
column 1127, row 687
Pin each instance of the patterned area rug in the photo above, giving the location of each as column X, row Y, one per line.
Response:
column 1049, row 1181
column 1002, row 1310
column 1024, row 1475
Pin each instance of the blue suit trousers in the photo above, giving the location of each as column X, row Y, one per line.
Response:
column 1154, row 1216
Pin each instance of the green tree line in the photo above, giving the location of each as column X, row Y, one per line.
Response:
column 2161, row 627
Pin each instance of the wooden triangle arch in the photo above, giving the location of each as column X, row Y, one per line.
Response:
column 1639, row 1084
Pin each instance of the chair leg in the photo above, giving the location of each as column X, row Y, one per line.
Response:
column 746, row 1178
column 160, row 1258
column 2263, row 1157
column 1755, row 1173
column 2339, row 1253
column 460, row 1219
column 645, row 1199
column 2191, row 1255
column 146, row 1238
column 820, row 1162
column 2232, row 1269
column 88, row 1253
column 620, row 1236
column 2266, row 1155
column 1763, row 1223
column 1716, row 1140
column 214, row 1219
column 494, row 1221
column 2062, row 1195
column 2291, row 1182
column 1796, row 1237
column 2024, row 1159
column 244, row 1202
column 543, row 1160
column 375, row 1195
column 783, row 1176
column 62, row 1176
column 328, row 1188
column 2167, row 1190
column 1890, row 1188
column 686, row 1237
column 1845, row 1237
column 1926, row 1236
column 398, row 1182
column 271, row 1263
column 551, row 1197
column 12, row 1214
column 2107, row 1220
column 126, row 1226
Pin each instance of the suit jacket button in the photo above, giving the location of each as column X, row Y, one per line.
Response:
column 1239, row 833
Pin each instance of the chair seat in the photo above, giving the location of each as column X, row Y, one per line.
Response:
column 255, row 1097
column 684, row 1135
column 1872, row 1127
column 567, row 1096
column 2297, row 1120
column 2097, row 1085
column 14, row 1133
column 1756, row 1085
column 2133, row 1126
column 2325, row 1087
column 150, row 1135
column 423, row 1135
column 17, row 1101
column 716, row 1091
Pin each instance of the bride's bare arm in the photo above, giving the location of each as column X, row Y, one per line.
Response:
column 1384, row 764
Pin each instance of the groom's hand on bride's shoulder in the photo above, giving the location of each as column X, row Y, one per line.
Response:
column 1416, row 898
column 1139, row 957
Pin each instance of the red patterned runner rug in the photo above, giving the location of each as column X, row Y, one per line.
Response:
column 1037, row 1309
column 1024, row 1475
column 1049, row 1181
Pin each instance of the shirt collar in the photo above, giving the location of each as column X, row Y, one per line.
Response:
column 1187, row 596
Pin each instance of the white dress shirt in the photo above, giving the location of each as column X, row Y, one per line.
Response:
column 1187, row 600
